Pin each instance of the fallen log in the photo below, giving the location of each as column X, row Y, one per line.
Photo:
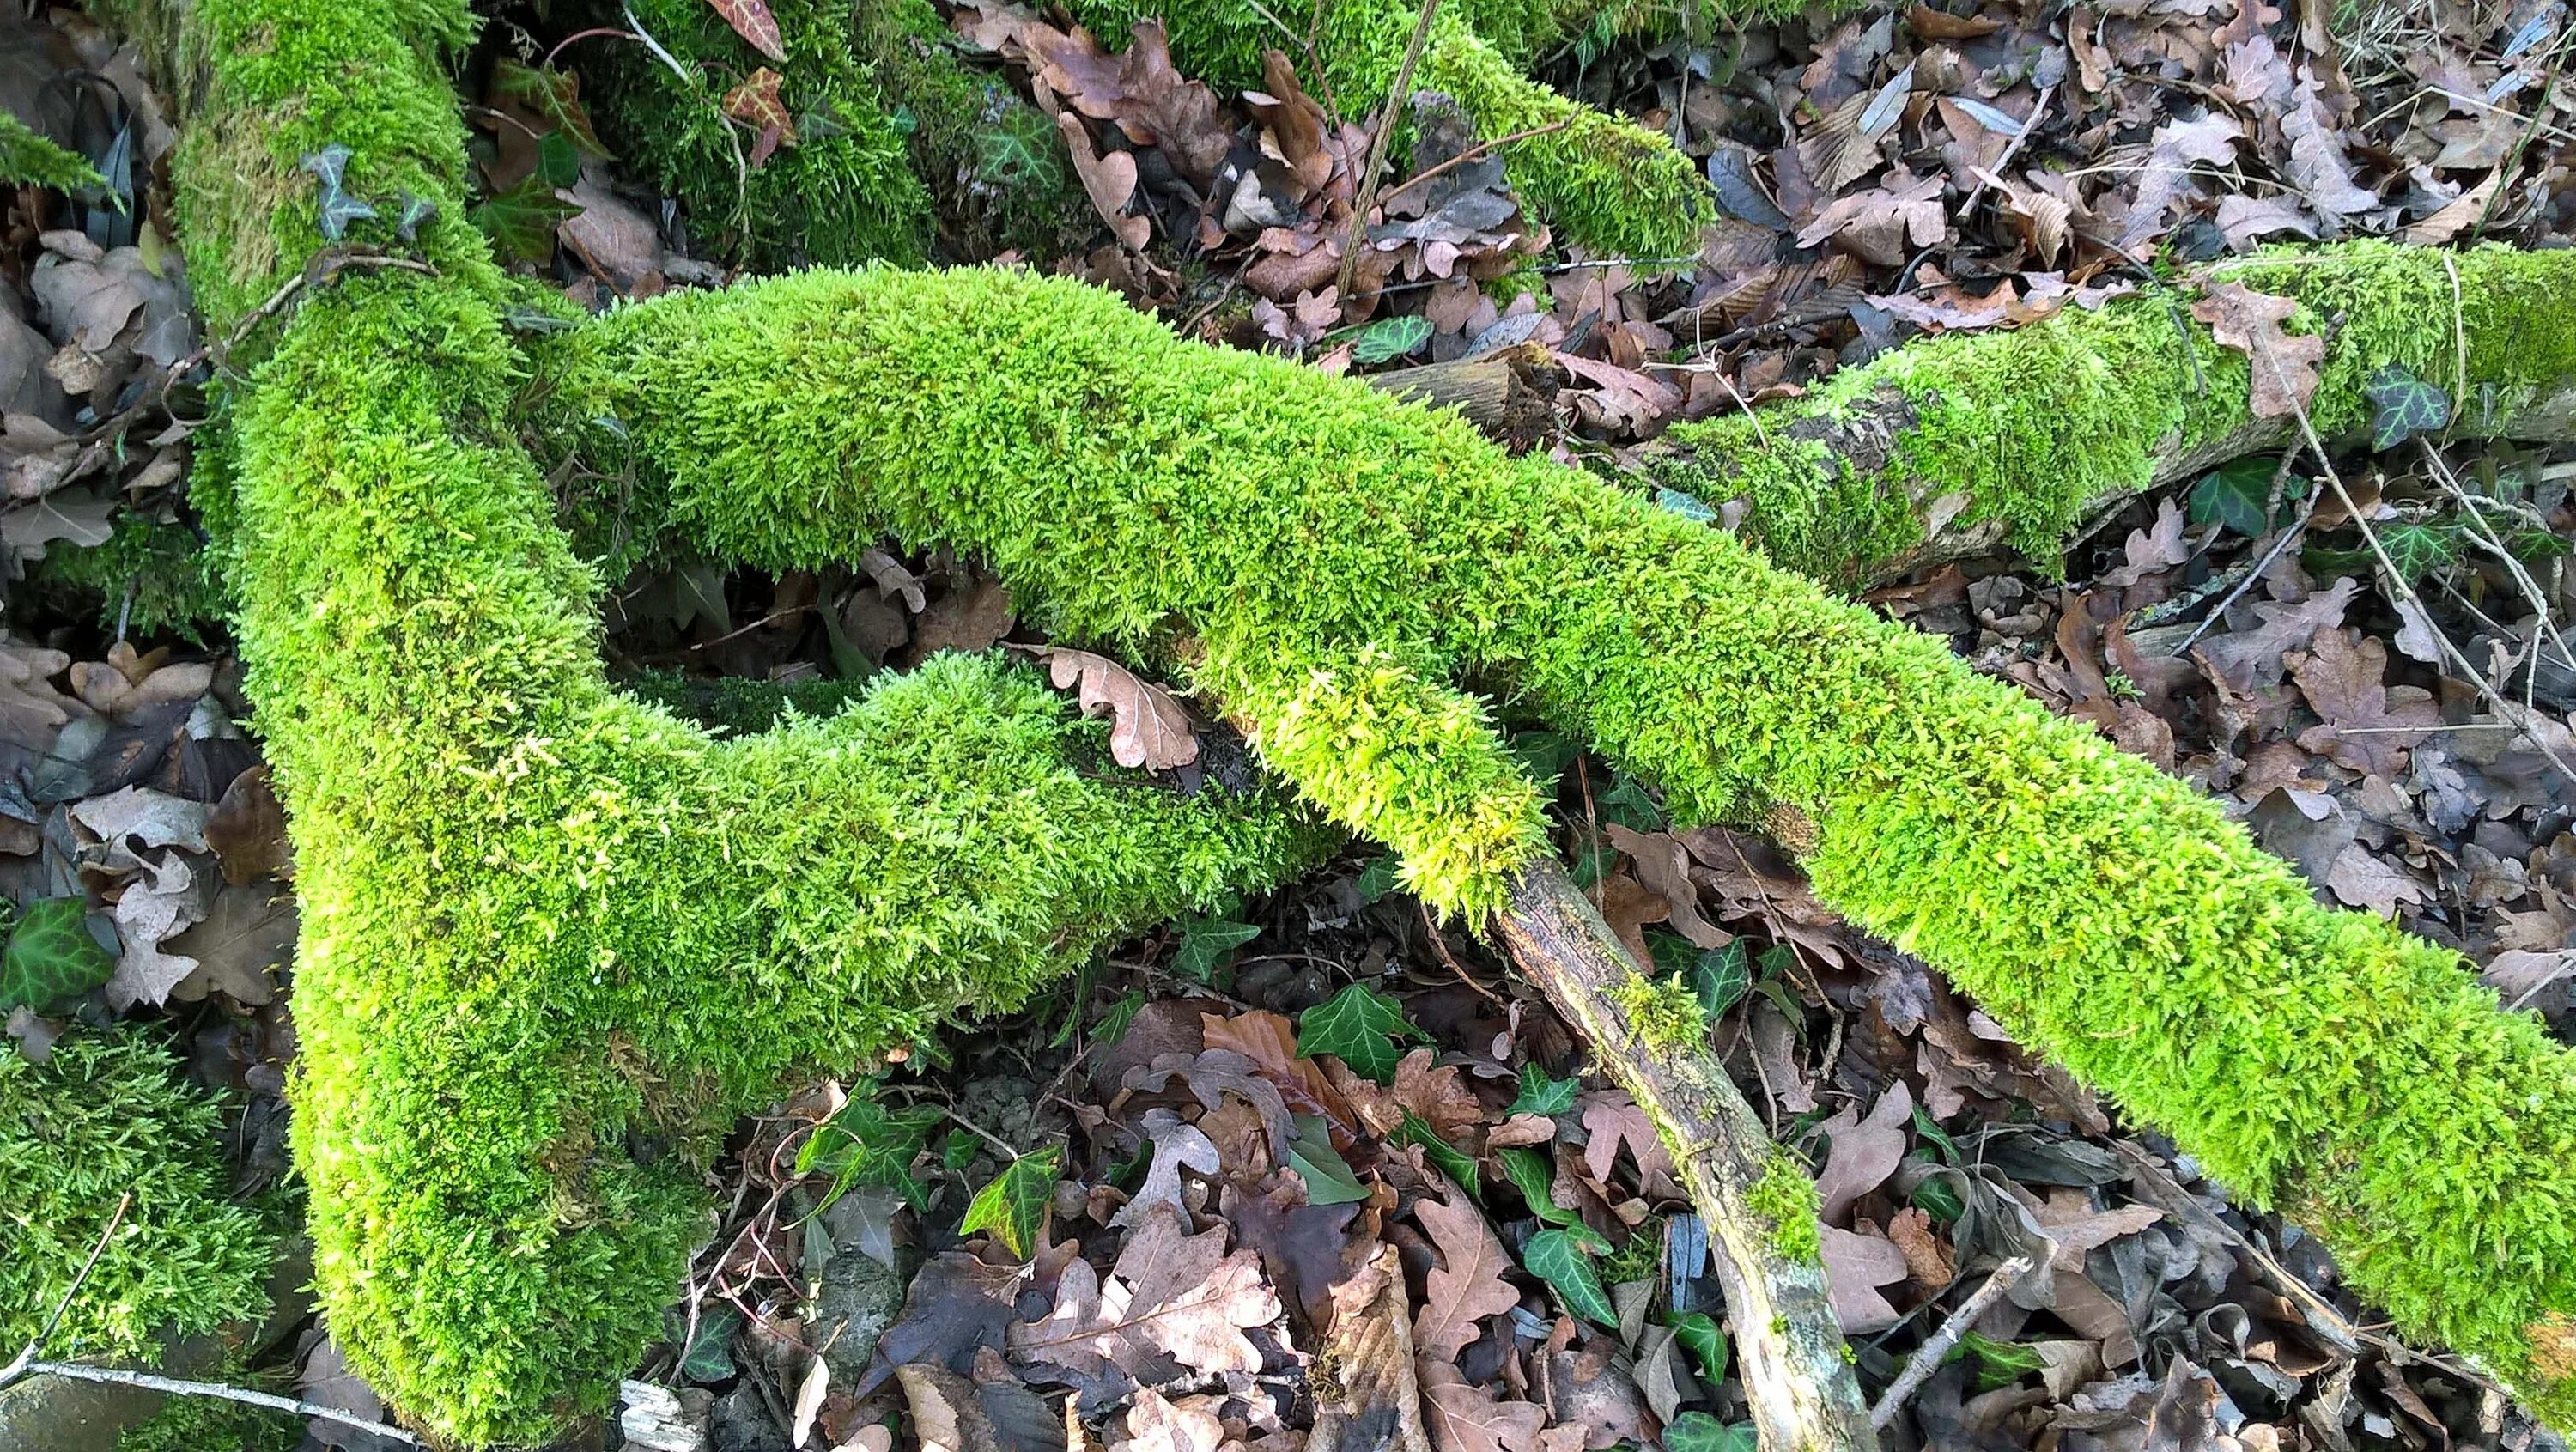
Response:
column 1510, row 394
column 1960, row 445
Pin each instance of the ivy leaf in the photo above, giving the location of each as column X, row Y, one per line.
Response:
column 2402, row 406
column 1452, row 1161
column 1721, row 977
column 709, row 1357
column 752, row 21
column 1688, row 506
column 1541, row 1094
column 336, row 209
column 1015, row 1204
column 2233, row 496
column 521, row 221
column 1354, row 1026
column 960, row 1151
column 2419, row 548
column 757, row 104
column 1115, row 1019
column 1204, row 943
column 1700, row 1432
column 1019, row 156
column 1697, row 1332
column 1532, row 1175
column 864, row 1143
column 1628, row 805
column 558, row 160
column 553, row 94
column 51, row 956
column 418, row 212
column 1556, row 1257
column 1390, row 338
column 1384, row 874
column 1328, row 1177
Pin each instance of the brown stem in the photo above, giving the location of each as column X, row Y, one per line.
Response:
column 1369, row 175
column 1802, row 1393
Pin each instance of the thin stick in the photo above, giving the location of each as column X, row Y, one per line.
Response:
column 1440, row 945
column 172, row 1386
column 1395, row 97
column 1473, row 153
column 1927, row 1359
column 26, row 1355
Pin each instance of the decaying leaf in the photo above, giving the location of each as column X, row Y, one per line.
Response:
column 1149, row 728
column 1464, row 1417
column 2284, row 365
column 1467, row 1285
column 752, row 21
column 1170, row 1291
column 755, row 103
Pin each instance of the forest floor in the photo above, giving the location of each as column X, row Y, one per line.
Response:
column 1232, row 1117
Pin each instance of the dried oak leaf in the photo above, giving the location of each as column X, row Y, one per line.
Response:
column 1156, row 1425
column 969, row 620
column 1438, row 1096
column 1663, row 864
column 247, row 830
column 1855, row 1267
column 1876, row 226
column 2284, row 364
column 1468, row 1284
column 1171, row 1292
column 2368, row 726
column 1148, row 727
column 1611, row 1118
column 1465, row 1417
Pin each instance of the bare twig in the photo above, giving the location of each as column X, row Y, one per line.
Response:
column 27, row 1354
column 1385, row 133
column 1476, row 152
column 1440, row 945
column 1928, row 1357
column 173, row 1386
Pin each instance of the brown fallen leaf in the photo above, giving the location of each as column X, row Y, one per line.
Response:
column 1663, row 865
column 971, row 619
column 1370, row 1400
column 2284, row 364
column 1855, row 1267
column 247, row 830
column 1170, row 1291
column 1613, row 1119
column 1157, row 1425
column 1148, row 727
column 1464, row 1417
column 1468, row 1284
column 1866, row 1151
column 2369, row 726
column 1109, row 181
column 1928, row 1259
column 1439, row 1097
column 756, row 104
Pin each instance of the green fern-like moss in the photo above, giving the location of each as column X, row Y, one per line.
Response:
column 28, row 158
column 110, row 1114
column 1663, row 1011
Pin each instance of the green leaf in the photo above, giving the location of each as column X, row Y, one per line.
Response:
column 1697, row 1332
column 960, row 1150
column 1559, row 1259
column 1541, row 1094
column 1440, row 1152
column 2418, row 548
column 2234, row 494
column 1015, row 1204
column 1628, row 804
column 1384, row 874
column 1931, row 1130
column 2402, row 406
column 521, row 221
column 1700, row 1432
column 1534, row 1176
column 1328, row 1176
column 864, row 1143
column 1593, row 863
column 1544, row 755
column 1935, row 1198
column 1115, row 1019
column 1688, row 506
column 710, row 1354
column 335, row 208
column 1354, row 1026
column 1390, row 338
column 553, row 94
column 1999, row 1363
column 1205, row 942
column 51, row 957
column 558, row 160
column 1720, row 976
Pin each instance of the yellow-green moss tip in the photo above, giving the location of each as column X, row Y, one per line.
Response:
column 2035, row 425
column 1662, row 1011
column 1787, row 1198
column 110, row 1114
column 29, row 159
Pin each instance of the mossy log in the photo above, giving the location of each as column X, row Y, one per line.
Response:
column 1328, row 563
column 1954, row 446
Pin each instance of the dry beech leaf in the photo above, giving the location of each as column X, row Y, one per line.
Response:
column 2284, row 365
column 1148, row 727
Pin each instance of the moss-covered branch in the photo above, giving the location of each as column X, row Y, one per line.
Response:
column 1315, row 546
column 1951, row 446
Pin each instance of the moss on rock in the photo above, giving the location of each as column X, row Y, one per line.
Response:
column 1268, row 521
column 108, row 1114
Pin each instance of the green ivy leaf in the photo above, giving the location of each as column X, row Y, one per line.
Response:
column 1697, row 1332
column 1544, row 755
column 1531, row 1173
column 558, row 160
column 2418, row 548
column 1688, row 506
column 1456, row 1165
column 553, row 94
column 709, row 1357
column 335, row 209
column 521, row 221
column 1355, row 1026
column 2233, row 496
column 1328, row 1177
column 1935, row 1197
column 1700, row 1432
column 1205, row 942
column 1390, row 338
column 1015, row 1204
column 1932, row 1132
column 1721, row 977
column 2402, row 406
column 1541, row 1094
column 1558, row 1258
column 1384, row 874
column 1628, row 804
column 51, row 957
column 1115, row 1019
column 865, row 1143
column 960, row 1150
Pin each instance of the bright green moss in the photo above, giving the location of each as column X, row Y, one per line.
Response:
column 1148, row 494
column 2036, row 425
column 1613, row 186
column 156, row 577
column 29, row 159
column 1663, row 1011
column 107, row 1114
column 1786, row 1196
